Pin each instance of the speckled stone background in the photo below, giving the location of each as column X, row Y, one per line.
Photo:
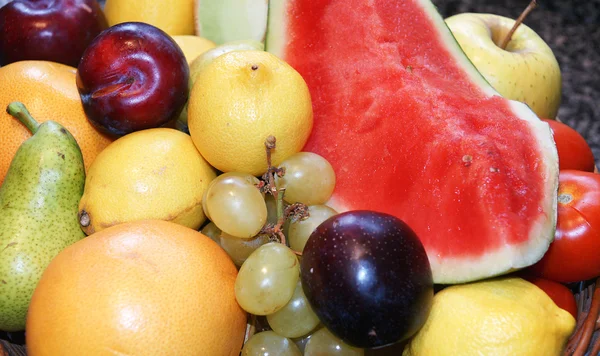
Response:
column 572, row 29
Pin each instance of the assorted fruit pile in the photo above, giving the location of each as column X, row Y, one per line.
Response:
column 287, row 177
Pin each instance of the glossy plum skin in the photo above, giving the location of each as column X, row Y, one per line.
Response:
column 368, row 278
column 51, row 30
column 133, row 76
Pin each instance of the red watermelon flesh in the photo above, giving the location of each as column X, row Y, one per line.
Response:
column 412, row 129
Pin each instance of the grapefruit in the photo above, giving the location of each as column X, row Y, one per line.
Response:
column 150, row 287
column 49, row 92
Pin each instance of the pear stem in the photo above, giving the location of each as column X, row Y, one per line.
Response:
column 19, row 111
column 519, row 21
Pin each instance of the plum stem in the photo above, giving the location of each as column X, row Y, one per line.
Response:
column 519, row 21
column 19, row 111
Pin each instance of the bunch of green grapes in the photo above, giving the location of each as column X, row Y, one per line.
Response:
column 268, row 283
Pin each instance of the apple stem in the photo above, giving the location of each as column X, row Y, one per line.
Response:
column 519, row 21
column 19, row 111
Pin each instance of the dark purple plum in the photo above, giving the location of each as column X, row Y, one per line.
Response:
column 368, row 278
column 132, row 77
column 51, row 30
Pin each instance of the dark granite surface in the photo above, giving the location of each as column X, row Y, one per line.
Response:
column 572, row 29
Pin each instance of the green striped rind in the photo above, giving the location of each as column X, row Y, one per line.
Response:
column 224, row 21
column 510, row 257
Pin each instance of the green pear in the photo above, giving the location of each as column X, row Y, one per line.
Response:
column 38, row 211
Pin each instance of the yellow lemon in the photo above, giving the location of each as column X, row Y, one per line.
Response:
column 193, row 46
column 203, row 60
column 175, row 17
column 240, row 99
column 149, row 174
column 208, row 56
column 503, row 316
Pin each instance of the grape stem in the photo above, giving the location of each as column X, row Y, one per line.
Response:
column 295, row 211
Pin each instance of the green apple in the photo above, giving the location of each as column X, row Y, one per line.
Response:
column 525, row 71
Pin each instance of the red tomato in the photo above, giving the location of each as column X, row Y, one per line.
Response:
column 561, row 295
column 574, row 255
column 573, row 150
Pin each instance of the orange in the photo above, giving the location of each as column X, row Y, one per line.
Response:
column 49, row 92
column 149, row 287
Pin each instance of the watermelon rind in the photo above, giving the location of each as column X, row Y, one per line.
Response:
column 510, row 256
column 224, row 21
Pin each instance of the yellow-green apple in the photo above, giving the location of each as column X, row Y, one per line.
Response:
column 525, row 71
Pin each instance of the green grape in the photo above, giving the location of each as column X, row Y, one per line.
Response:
column 204, row 208
column 299, row 231
column 267, row 280
column 323, row 342
column 271, row 209
column 268, row 343
column 296, row 318
column 301, row 342
column 211, row 230
column 239, row 249
column 236, row 205
column 308, row 179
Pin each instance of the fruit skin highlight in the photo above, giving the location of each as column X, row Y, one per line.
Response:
column 51, row 30
column 49, row 92
column 367, row 277
column 573, row 150
column 149, row 174
column 38, row 204
column 142, row 288
column 133, row 76
column 412, row 129
column 573, row 255
column 526, row 71
column 241, row 98
column 503, row 316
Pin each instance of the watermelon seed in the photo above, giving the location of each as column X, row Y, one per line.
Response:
column 565, row 198
column 467, row 159
column 254, row 67
column 494, row 169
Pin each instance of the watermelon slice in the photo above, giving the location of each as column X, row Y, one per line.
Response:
column 412, row 129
